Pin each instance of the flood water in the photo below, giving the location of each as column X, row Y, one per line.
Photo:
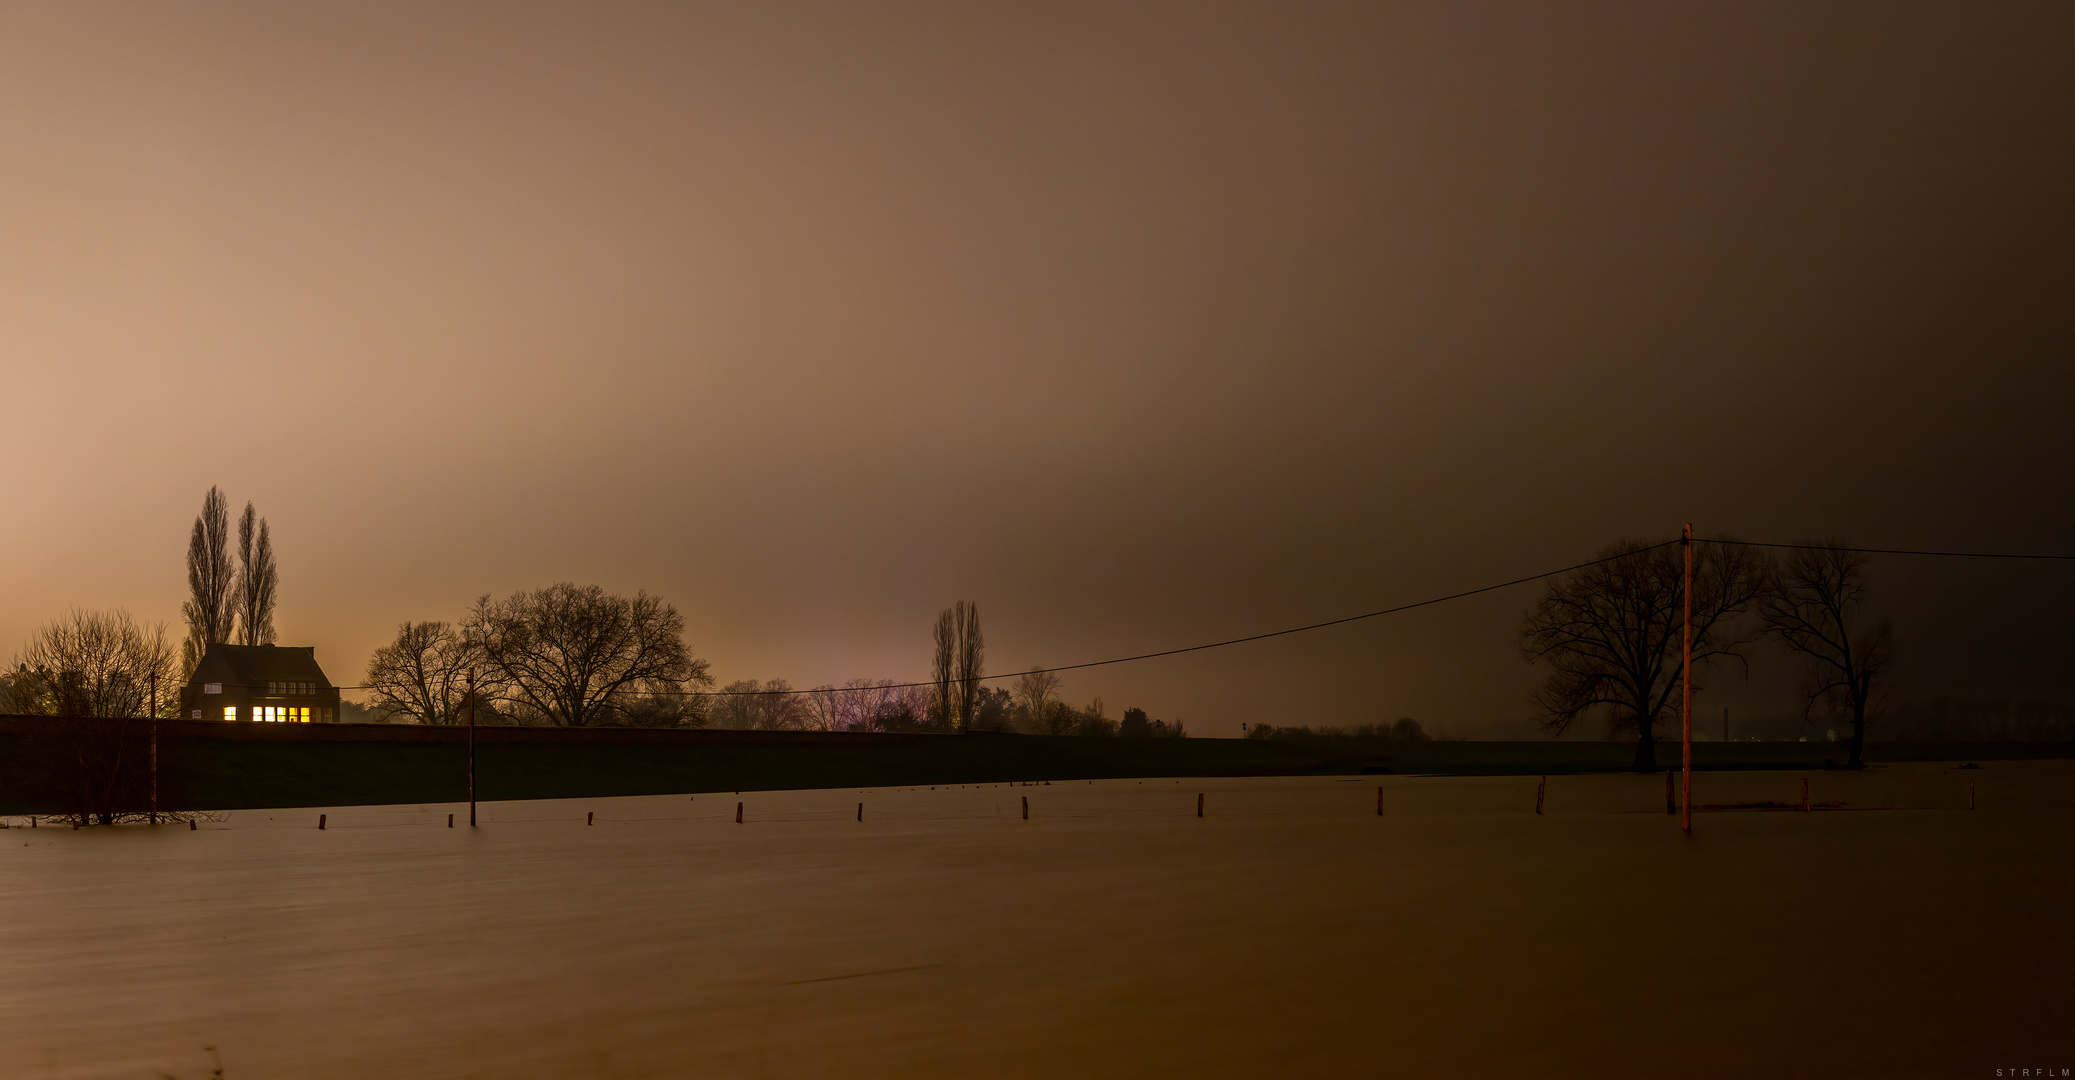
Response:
column 1288, row 932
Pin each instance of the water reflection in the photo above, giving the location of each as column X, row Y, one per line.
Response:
column 1289, row 931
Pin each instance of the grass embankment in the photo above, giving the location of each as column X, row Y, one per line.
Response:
column 205, row 766
column 214, row 766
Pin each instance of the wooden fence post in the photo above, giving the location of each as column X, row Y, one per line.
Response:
column 738, row 813
column 320, row 823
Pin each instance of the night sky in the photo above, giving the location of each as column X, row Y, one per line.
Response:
column 1138, row 325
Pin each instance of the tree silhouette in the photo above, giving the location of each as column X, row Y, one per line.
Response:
column 1816, row 608
column 960, row 660
column 209, row 610
column 577, row 656
column 423, row 674
column 257, row 580
column 94, row 672
column 1611, row 632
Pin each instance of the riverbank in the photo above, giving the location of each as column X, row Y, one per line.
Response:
column 209, row 765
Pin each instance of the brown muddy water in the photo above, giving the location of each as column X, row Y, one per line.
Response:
column 1288, row 932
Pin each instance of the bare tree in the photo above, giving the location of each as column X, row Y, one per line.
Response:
column 960, row 658
column 209, row 610
column 257, row 580
column 1036, row 694
column 969, row 660
column 95, row 672
column 943, row 669
column 827, row 707
column 424, row 674
column 577, row 656
column 94, row 663
column 869, row 705
column 1816, row 608
column 749, row 705
column 1611, row 632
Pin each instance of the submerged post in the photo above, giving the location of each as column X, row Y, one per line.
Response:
column 320, row 823
column 1804, row 794
column 860, row 811
column 1026, row 808
column 1379, row 800
column 1686, row 691
column 1540, row 790
column 1199, row 804
column 738, row 813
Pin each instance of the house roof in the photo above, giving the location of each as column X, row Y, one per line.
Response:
column 256, row 665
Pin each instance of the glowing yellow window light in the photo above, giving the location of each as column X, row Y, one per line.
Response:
column 230, row 712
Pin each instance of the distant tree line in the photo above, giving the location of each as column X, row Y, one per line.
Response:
column 1402, row 730
column 954, row 700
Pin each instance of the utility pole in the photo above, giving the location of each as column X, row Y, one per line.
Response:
column 1686, row 690
column 154, row 815
column 471, row 747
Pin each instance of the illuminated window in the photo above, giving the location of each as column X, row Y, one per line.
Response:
column 230, row 712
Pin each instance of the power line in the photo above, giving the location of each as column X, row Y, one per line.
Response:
column 1228, row 641
column 1186, row 648
column 1883, row 551
column 1376, row 614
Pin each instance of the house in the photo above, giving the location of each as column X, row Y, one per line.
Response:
column 268, row 683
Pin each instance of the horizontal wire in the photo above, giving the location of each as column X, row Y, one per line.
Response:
column 1340, row 621
column 1164, row 652
column 1884, row 551
column 1210, row 645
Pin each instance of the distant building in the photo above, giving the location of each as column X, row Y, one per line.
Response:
column 267, row 683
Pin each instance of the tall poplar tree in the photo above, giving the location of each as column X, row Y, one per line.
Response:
column 958, row 664
column 257, row 580
column 209, row 608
